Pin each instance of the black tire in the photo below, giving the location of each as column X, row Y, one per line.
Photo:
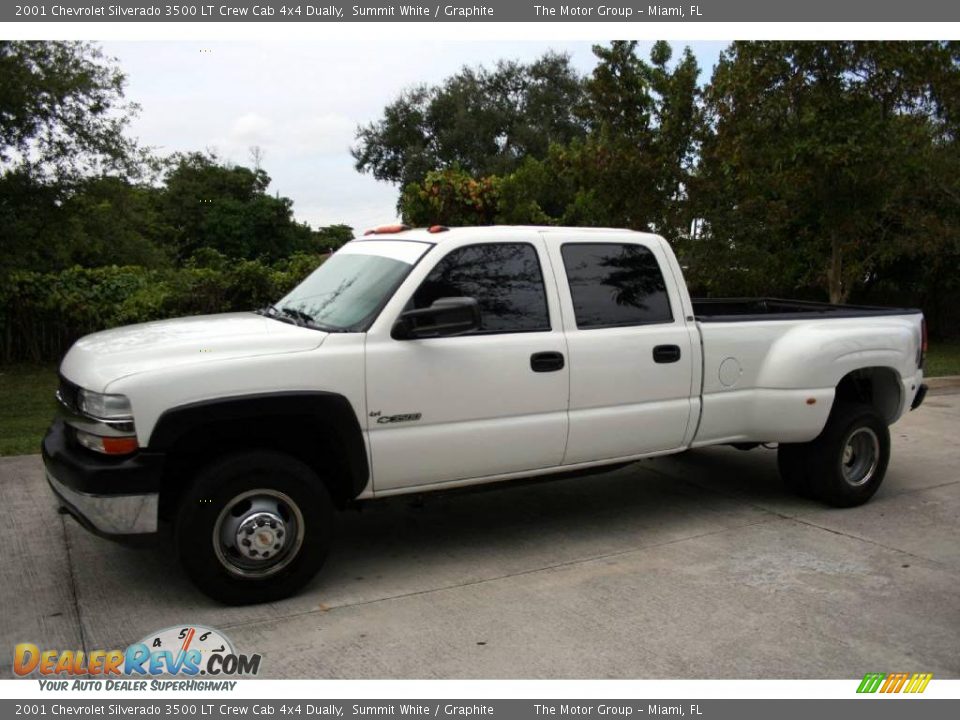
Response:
column 792, row 464
column 849, row 480
column 229, row 498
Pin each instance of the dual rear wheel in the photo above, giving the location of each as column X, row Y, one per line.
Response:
column 845, row 465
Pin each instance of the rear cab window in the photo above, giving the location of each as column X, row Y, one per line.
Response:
column 615, row 285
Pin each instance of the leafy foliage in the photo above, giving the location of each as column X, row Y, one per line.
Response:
column 332, row 237
column 41, row 314
column 451, row 197
column 74, row 190
column 480, row 121
column 629, row 171
column 811, row 169
column 62, row 121
column 61, row 111
column 96, row 233
column 825, row 162
column 108, row 220
column 205, row 203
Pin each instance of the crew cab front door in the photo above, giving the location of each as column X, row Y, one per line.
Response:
column 482, row 404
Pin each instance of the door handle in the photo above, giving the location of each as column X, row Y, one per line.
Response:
column 546, row 361
column 666, row 353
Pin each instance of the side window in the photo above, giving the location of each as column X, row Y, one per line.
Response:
column 615, row 284
column 505, row 280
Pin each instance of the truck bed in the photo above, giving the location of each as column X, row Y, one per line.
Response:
column 762, row 308
column 774, row 381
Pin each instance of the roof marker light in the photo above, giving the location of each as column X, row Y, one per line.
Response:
column 386, row 230
column 437, row 229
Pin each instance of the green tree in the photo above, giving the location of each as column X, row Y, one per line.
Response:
column 62, row 122
column 484, row 122
column 451, row 197
column 538, row 192
column 208, row 204
column 822, row 163
column 332, row 237
column 62, row 113
column 632, row 169
column 110, row 221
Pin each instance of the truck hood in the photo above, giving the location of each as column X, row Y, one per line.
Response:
column 96, row 360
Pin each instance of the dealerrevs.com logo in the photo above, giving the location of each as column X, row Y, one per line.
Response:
column 179, row 651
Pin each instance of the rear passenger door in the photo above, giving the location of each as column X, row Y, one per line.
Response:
column 629, row 347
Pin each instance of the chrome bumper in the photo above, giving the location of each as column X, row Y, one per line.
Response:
column 110, row 514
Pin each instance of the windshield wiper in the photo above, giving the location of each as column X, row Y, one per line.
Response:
column 294, row 317
column 299, row 315
column 271, row 311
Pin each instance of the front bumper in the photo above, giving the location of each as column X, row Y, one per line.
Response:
column 108, row 496
column 109, row 514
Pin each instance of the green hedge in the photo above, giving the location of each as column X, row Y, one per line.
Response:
column 42, row 314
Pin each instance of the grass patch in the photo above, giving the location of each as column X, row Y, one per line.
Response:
column 943, row 358
column 27, row 406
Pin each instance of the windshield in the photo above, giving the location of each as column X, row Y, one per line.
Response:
column 344, row 292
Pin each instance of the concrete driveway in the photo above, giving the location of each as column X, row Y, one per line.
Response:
column 698, row 565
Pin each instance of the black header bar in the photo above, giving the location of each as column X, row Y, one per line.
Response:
column 544, row 11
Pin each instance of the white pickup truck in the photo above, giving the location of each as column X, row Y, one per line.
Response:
column 422, row 360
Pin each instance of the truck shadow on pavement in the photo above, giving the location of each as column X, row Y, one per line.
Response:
column 408, row 545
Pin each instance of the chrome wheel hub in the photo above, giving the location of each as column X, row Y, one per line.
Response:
column 261, row 535
column 258, row 533
column 861, row 455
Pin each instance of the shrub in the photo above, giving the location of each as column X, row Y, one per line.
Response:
column 42, row 314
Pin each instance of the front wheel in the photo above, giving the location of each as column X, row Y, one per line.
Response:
column 254, row 527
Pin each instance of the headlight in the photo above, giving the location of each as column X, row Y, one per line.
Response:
column 104, row 407
column 100, row 422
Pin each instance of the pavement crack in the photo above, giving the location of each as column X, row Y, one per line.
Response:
column 912, row 491
column 473, row 583
column 799, row 516
column 73, row 585
column 859, row 538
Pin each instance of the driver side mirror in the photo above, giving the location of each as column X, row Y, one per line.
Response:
column 446, row 316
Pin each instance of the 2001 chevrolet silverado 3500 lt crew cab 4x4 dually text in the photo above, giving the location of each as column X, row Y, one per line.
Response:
column 421, row 360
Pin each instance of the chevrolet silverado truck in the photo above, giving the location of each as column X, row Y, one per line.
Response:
column 423, row 360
